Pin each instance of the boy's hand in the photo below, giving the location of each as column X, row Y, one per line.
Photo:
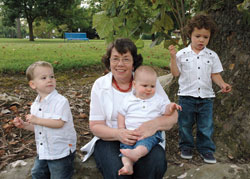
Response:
column 172, row 51
column 225, row 88
column 18, row 122
column 31, row 118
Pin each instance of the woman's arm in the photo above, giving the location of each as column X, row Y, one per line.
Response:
column 161, row 123
column 101, row 130
column 121, row 121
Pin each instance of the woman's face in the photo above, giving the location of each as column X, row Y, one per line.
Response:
column 121, row 65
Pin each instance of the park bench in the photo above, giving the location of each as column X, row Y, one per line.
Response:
column 75, row 36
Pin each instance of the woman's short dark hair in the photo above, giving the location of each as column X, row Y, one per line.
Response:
column 123, row 45
column 200, row 21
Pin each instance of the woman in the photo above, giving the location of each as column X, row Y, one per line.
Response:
column 106, row 95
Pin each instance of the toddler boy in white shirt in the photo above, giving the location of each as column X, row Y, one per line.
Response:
column 51, row 119
column 197, row 66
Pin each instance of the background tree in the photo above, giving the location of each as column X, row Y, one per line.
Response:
column 33, row 9
column 18, row 28
column 124, row 18
column 232, row 45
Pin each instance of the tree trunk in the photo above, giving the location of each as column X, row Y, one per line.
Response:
column 18, row 27
column 30, row 23
column 231, row 111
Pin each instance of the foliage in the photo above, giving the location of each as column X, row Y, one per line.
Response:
column 18, row 54
column 132, row 19
column 33, row 9
column 245, row 9
column 45, row 30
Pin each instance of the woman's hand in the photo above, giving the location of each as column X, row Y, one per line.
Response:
column 161, row 123
column 147, row 129
column 128, row 137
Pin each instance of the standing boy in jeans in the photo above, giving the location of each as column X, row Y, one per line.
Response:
column 51, row 119
column 197, row 66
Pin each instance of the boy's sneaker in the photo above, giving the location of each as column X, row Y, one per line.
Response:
column 208, row 158
column 186, row 154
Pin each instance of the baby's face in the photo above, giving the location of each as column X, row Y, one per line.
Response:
column 44, row 81
column 144, row 86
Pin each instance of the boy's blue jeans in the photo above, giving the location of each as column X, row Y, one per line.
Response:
column 148, row 142
column 54, row 169
column 199, row 111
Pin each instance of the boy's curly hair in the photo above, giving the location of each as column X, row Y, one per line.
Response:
column 200, row 21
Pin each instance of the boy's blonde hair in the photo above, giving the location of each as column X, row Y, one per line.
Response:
column 144, row 69
column 31, row 68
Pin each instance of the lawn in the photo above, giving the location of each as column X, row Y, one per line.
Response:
column 17, row 54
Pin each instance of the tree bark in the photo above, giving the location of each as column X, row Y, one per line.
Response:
column 18, row 27
column 231, row 111
column 30, row 23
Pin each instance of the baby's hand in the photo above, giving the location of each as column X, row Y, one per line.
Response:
column 172, row 51
column 174, row 106
column 18, row 122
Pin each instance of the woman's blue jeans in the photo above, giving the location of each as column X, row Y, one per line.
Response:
column 199, row 111
column 151, row 166
column 54, row 169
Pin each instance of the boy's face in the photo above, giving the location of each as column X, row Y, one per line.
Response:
column 44, row 81
column 144, row 85
column 199, row 39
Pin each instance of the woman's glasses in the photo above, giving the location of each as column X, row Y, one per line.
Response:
column 123, row 60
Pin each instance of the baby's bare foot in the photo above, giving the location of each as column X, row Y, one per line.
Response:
column 131, row 154
column 126, row 170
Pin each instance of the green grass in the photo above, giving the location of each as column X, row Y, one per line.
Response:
column 17, row 54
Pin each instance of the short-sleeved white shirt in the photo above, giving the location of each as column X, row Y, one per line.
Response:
column 53, row 143
column 137, row 111
column 195, row 72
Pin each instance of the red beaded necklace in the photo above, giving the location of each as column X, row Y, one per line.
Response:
column 122, row 90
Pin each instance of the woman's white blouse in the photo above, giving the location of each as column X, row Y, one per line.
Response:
column 101, row 107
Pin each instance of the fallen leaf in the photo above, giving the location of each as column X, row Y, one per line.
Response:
column 230, row 156
column 2, row 152
column 13, row 142
column 79, row 96
column 5, row 111
column 82, row 116
column 7, row 126
column 183, row 175
column 14, row 109
column 231, row 66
